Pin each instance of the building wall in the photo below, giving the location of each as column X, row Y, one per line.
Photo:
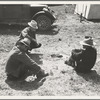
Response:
column 94, row 12
column 89, row 11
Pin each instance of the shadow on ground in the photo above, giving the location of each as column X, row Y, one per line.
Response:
column 13, row 30
column 52, row 31
column 24, row 85
column 12, row 26
column 93, row 76
column 16, row 29
column 95, row 20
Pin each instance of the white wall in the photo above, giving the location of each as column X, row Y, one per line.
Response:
column 89, row 11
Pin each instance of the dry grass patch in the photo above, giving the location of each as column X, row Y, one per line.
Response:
column 56, row 46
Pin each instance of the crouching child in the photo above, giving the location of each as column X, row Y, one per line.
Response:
column 83, row 60
column 19, row 62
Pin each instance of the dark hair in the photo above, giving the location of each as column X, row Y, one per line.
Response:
column 88, row 37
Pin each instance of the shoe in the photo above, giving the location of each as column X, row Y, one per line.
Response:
column 68, row 63
column 41, row 74
column 39, row 45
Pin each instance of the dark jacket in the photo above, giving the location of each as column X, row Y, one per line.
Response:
column 83, row 60
column 16, row 59
column 28, row 33
column 87, row 59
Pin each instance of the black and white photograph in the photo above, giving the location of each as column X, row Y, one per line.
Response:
column 50, row 49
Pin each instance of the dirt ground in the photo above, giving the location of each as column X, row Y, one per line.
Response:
column 65, row 35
